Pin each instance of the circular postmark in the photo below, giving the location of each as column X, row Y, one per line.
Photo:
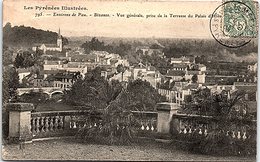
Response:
column 233, row 24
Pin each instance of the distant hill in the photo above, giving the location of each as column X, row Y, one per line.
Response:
column 22, row 36
column 178, row 47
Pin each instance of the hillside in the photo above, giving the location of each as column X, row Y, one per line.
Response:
column 21, row 36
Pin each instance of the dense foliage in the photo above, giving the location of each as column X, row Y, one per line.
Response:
column 35, row 98
column 94, row 44
column 10, row 83
column 93, row 91
column 26, row 36
column 161, row 64
column 226, row 112
column 143, row 96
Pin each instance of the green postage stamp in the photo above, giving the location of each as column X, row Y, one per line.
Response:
column 240, row 18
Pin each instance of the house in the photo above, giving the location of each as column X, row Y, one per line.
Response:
column 22, row 73
column 91, row 58
column 252, row 68
column 175, row 75
column 200, row 74
column 116, row 62
column 52, row 65
column 179, row 66
column 70, row 66
column 38, row 81
column 65, row 80
column 169, row 94
column 50, row 47
column 182, row 60
column 154, row 78
column 148, row 73
column 126, row 76
column 75, row 67
column 145, row 50
column 184, row 90
column 139, row 71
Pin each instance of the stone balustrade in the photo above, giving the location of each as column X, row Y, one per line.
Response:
column 196, row 125
column 144, row 121
column 48, row 124
column 59, row 123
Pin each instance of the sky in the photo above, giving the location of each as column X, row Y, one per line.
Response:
column 14, row 12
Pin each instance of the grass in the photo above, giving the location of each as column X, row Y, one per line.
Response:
column 72, row 149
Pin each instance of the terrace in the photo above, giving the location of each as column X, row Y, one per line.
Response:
column 55, row 132
column 71, row 149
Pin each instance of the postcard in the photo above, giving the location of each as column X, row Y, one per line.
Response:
column 130, row 80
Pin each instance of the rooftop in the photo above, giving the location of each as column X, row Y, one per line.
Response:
column 22, row 70
column 88, row 57
column 175, row 73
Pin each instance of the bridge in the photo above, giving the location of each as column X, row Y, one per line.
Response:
column 47, row 90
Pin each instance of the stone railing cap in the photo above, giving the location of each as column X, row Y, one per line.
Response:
column 20, row 106
column 168, row 106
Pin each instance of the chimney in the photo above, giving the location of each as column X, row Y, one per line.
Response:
column 45, row 61
column 59, row 62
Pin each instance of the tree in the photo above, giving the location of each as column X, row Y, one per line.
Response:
column 93, row 44
column 142, row 96
column 25, row 59
column 7, row 57
column 227, row 110
column 10, row 83
column 35, row 98
column 194, row 78
column 93, row 91
column 18, row 62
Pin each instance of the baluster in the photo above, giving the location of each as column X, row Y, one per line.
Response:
column 233, row 134
column 205, row 132
column 142, row 127
column 74, row 124
column 51, row 123
column 200, row 132
column 227, row 133
column 147, row 125
column 152, row 128
column 185, row 130
column 33, row 126
column 180, row 131
column 71, row 122
column 42, row 124
column 37, row 124
column 100, row 125
column 46, row 124
column 190, row 131
column 244, row 136
column 95, row 124
column 238, row 135
column 56, row 124
column 61, row 123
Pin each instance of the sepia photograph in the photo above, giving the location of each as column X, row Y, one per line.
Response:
column 129, row 80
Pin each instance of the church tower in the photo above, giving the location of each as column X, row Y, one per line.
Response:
column 59, row 41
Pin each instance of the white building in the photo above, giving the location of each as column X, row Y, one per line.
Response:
column 252, row 68
column 22, row 73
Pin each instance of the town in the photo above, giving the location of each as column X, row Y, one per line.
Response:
column 141, row 78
